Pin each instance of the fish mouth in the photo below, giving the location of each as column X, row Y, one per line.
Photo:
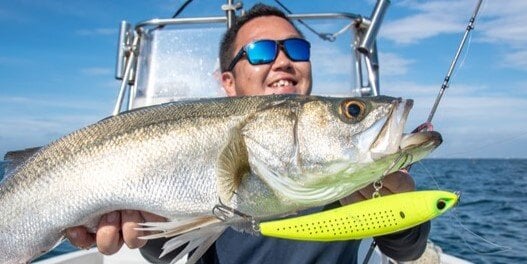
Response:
column 420, row 139
column 414, row 147
column 388, row 141
column 418, row 145
column 391, row 138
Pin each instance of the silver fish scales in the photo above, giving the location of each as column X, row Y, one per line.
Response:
column 264, row 156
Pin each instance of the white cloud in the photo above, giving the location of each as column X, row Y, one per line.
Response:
column 503, row 8
column 516, row 59
column 408, row 88
column 497, row 21
column 15, row 61
column 111, row 84
column 331, row 63
column 501, row 23
column 429, row 19
column 406, row 31
column 97, row 71
column 26, row 103
column 509, row 30
column 24, row 125
column 472, row 124
column 392, row 64
column 97, row 32
column 25, row 131
column 13, row 16
column 482, row 110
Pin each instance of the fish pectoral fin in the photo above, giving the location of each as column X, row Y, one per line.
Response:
column 233, row 166
column 198, row 233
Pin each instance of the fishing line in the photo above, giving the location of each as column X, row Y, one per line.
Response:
column 500, row 249
column 453, row 215
column 429, row 174
column 463, row 59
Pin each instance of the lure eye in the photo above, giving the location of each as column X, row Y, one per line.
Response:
column 353, row 110
column 441, row 204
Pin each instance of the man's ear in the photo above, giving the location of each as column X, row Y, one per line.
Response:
column 228, row 83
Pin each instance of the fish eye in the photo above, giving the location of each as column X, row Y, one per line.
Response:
column 353, row 110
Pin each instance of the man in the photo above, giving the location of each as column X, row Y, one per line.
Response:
column 263, row 53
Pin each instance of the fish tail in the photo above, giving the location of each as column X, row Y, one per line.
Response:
column 197, row 233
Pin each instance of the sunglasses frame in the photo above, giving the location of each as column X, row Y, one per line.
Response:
column 279, row 44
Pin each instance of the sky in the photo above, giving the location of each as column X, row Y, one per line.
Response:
column 57, row 60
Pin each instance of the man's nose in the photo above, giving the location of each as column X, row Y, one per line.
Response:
column 282, row 62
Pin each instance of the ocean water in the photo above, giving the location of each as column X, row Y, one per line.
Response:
column 490, row 223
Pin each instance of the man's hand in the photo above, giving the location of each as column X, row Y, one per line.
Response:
column 396, row 182
column 114, row 229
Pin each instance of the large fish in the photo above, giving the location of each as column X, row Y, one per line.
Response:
column 205, row 164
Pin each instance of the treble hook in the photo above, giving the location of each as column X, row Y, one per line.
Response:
column 224, row 212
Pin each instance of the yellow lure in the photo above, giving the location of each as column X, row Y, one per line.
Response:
column 369, row 218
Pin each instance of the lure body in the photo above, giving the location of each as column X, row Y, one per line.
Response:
column 370, row 218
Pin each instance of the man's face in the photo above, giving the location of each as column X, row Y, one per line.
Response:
column 281, row 76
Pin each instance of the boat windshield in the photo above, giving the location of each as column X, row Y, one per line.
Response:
column 180, row 61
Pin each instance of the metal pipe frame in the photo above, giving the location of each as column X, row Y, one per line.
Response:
column 362, row 25
column 223, row 19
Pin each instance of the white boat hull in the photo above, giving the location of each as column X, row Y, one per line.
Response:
column 433, row 254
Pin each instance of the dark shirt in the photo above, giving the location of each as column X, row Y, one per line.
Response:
column 236, row 247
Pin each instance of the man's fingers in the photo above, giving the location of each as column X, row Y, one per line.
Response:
column 352, row 198
column 398, row 182
column 149, row 217
column 79, row 237
column 108, row 237
column 129, row 221
column 114, row 229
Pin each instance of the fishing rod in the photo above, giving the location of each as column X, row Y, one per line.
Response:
column 446, row 81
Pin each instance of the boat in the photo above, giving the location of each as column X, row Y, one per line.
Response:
column 433, row 254
column 157, row 62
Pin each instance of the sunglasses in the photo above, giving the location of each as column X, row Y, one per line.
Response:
column 265, row 51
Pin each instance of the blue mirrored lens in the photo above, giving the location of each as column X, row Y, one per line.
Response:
column 297, row 49
column 261, row 52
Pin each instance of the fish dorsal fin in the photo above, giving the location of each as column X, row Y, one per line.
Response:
column 233, row 166
column 17, row 157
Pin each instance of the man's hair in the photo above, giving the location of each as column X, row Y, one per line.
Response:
column 227, row 42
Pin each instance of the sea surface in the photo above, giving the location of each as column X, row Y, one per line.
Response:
column 490, row 223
